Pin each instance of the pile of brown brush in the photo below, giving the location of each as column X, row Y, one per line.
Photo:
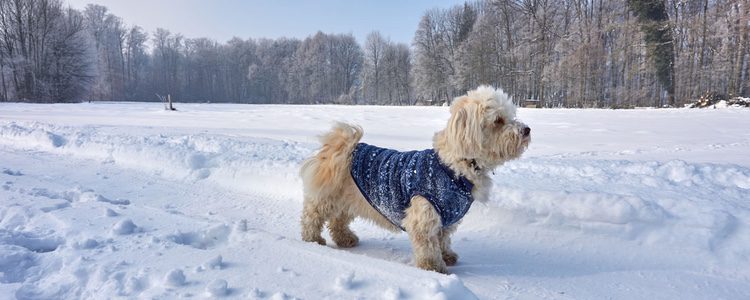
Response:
column 712, row 99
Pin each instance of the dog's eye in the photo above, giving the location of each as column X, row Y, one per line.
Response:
column 499, row 121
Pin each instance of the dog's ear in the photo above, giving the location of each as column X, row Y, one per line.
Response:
column 464, row 131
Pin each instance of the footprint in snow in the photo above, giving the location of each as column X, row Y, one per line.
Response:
column 11, row 172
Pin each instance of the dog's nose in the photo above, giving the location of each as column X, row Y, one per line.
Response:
column 526, row 131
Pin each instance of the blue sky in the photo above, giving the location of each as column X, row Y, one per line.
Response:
column 223, row 19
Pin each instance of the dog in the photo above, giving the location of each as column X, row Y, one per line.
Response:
column 425, row 193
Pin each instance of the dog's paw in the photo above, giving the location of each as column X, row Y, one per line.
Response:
column 450, row 258
column 346, row 240
column 437, row 266
column 321, row 241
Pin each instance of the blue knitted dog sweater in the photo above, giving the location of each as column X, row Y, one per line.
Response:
column 389, row 179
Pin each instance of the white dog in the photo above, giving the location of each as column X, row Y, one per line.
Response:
column 425, row 193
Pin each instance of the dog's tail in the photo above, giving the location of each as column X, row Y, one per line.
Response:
column 328, row 167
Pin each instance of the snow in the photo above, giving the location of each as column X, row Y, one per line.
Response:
column 174, row 278
column 213, row 263
column 127, row 200
column 344, row 282
column 217, row 288
column 124, row 227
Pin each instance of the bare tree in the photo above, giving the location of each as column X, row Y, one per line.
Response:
column 269, row 74
column 373, row 74
column 167, row 60
column 44, row 47
column 346, row 62
column 108, row 35
column 136, row 63
column 431, row 71
column 70, row 69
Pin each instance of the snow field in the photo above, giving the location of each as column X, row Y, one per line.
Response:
column 117, row 199
column 640, row 201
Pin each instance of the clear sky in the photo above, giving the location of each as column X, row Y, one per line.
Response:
column 223, row 19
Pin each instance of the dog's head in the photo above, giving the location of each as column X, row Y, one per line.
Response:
column 483, row 127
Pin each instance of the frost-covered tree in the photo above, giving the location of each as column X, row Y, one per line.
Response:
column 397, row 70
column 323, row 69
column 430, row 63
column 373, row 74
column 167, row 63
column 269, row 74
column 439, row 48
column 386, row 74
column 136, row 65
column 309, row 70
column 70, row 70
column 108, row 35
column 236, row 58
column 45, row 54
column 201, row 71
column 346, row 63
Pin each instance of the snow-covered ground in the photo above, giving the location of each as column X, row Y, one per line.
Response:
column 124, row 199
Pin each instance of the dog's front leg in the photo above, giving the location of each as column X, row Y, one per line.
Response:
column 449, row 256
column 423, row 225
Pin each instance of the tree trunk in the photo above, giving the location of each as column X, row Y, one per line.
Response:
column 701, row 69
column 654, row 21
column 740, row 59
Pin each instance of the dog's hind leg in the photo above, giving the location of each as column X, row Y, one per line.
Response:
column 449, row 256
column 338, row 227
column 312, row 222
column 323, row 176
column 423, row 225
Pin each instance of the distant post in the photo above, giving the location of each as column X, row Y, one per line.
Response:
column 167, row 101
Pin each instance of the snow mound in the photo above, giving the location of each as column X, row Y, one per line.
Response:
column 205, row 239
column 174, row 278
column 344, row 282
column 217, row 288
column 38, row 136
column 125, row 227
column 447, row 288
column 87, row 243
column 674, row 203
column 280, row 296
column 214, row 263
column 110, row 213
column 15, row 263
column 392, row 294
column 31, row 241
column 256, row 165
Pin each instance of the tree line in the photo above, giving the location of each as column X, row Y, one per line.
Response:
column 586, row 53
column 552, row 53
